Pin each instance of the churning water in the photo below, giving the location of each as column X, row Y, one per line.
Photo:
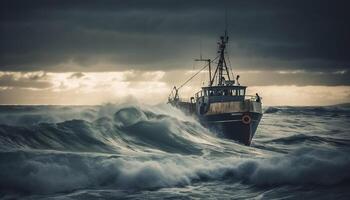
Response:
column 138, row 152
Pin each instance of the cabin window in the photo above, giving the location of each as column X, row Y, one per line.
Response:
column 242, row 92
column 233, row 92
column 222, row 92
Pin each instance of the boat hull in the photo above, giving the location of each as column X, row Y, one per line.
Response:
column 240, row 127
column 236, row 120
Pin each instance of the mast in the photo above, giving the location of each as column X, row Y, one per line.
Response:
column 221, row 75
column 222, row 71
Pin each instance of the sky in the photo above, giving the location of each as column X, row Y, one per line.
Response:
column 92, row 52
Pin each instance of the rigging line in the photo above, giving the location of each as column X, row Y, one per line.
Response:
column 188, row 80
column 229, row 63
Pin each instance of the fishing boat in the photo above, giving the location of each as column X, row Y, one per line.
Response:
column 223, row 105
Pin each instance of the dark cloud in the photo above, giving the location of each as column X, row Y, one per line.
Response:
column 163, row 35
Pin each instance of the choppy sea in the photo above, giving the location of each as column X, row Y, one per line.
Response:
column 132, row 151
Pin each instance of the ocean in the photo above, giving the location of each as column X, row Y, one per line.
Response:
column 134, row 151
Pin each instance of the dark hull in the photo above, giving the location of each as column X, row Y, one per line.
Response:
column 231, row 125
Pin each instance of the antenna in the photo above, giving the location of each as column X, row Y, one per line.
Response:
column 200, row 48
column 202, row 59
column 225, row 22
column 209, row 62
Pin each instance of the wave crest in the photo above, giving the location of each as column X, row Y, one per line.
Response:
column 129, row 128
column 57, row 172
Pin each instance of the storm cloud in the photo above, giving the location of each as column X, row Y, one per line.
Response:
column 163, row 35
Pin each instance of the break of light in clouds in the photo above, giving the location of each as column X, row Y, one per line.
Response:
column 79, row 88
column 91, row 52
column 148, row 87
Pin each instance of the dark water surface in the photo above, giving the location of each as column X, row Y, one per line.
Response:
column 151, row 152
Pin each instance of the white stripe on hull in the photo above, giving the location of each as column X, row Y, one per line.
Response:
column 226, row 121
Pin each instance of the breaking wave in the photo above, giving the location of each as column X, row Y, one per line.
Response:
column 58, row 172
column 128, row 129
column 137, row 147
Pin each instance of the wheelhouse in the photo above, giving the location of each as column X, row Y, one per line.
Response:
column 222, row 93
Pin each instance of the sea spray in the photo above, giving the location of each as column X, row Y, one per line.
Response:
column 138, row 149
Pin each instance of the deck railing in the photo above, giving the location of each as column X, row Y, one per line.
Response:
column 246, row 97
column 250, row 97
